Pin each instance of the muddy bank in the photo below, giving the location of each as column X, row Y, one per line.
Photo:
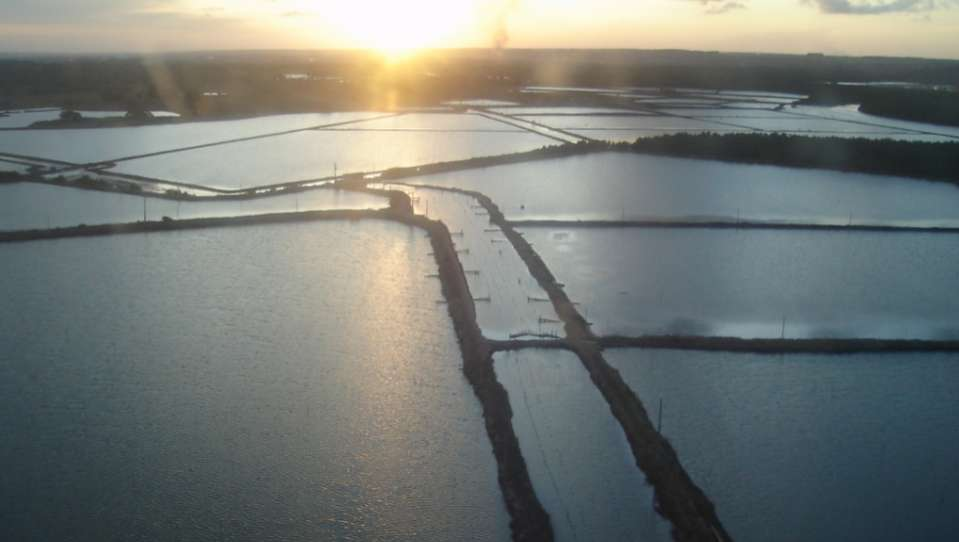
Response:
column 529, row 521
column 678, row 498
column 537, row 344
column 780, row 346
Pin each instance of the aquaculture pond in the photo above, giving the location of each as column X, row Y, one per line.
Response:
column 851, row 114
column 757, row 283
column 617, row 186
column 322, row 153
column 282, row 382
column 579, row 461
column 805, row 447
column 585, row 123
column 101, row 144
column 25, row 206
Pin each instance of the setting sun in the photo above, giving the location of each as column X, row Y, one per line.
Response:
column 399, row 28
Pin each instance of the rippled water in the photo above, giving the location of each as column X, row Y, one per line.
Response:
column 614, row 186
column 579, row 461
column 25, row 206
column 798, row 448
column 271, row 383
column 745, row 282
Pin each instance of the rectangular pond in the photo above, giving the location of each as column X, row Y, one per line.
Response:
column 442, row 122
column 103, row 144
column 851, row 113
column 638, row 123
column 317, row 154
column 26, row 206
column 283, row 382
column 579, row 460
column 616, row 186
column 804, row 447
column 757, row 283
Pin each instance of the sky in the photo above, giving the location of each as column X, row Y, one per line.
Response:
column 924, row 28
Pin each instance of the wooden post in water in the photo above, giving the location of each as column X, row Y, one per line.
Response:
column 144, row 208
column 782, row 334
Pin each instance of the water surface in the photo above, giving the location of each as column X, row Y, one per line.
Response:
column 801, row 447
column 25, row 206
column 102, row 144
column 758, row 283
column 280, row 382
column 579, row 461
column 616, row 186
column 321, row 153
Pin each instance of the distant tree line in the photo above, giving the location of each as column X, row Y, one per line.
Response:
column 938, row 161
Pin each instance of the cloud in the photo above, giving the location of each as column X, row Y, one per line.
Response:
column 724, row 7
column 720, row 7
column 879, row 7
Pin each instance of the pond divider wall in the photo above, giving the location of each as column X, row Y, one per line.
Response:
column 678, row 498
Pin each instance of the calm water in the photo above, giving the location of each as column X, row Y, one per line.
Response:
column 315, row 154
column 724, row 116
column 25, row 206
column 743, row 283
column 22, row 119
column 852, row 113
column 580, row 463
column 101, row 144
column 636, row 122
column 798, row 448
column 464, row 122
column 613, row 186
column 270, row 383
column 539, row 111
